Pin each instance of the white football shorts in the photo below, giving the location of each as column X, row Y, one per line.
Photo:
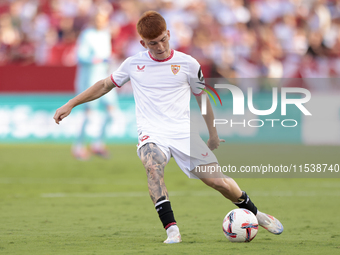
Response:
column 179, row 149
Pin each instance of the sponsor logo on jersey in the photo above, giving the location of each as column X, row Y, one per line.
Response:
column 205, row 155
column 140, row 68
column 175, row 69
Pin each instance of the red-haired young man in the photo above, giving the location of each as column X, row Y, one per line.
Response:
column 162, row 81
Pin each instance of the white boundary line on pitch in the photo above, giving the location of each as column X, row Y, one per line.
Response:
column 129, row 194
column 100, row 181
column 71, row 181
column 191, row 193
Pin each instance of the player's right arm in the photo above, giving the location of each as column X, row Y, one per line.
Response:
column 99, row 89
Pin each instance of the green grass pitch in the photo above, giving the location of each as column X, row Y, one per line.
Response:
column 53, row 204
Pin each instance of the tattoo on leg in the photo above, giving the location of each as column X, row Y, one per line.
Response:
column 154, row 162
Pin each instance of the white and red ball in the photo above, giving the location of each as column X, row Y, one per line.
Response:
column 240, row 225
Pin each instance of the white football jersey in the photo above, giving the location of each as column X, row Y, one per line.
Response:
column 162, row 90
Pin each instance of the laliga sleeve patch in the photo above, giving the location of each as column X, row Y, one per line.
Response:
column 200, row 74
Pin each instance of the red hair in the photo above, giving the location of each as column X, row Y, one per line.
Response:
column 151, row 25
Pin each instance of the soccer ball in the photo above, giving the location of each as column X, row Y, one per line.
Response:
column 240, row 225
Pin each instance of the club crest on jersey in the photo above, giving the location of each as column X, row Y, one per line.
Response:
column 175, row 68
column 140, row 68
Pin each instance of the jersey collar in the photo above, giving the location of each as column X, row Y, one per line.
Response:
column 162, row 60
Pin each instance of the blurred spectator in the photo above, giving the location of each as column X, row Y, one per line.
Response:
column 230, row 38
column 9, row 36
column 93, row 56
column 23, row 51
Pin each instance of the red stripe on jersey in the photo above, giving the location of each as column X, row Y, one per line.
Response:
column 114, row 81
column 198, row 93
column 162, row 60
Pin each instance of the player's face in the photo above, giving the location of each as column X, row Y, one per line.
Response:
column 100, row 21
column 158, row 47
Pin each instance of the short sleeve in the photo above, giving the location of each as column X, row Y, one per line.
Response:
column 122, row 74
column 195, row 77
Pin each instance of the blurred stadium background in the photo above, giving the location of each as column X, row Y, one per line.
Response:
column 51, row 203
column 230, row 38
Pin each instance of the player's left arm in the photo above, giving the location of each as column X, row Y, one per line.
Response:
column 214, row 140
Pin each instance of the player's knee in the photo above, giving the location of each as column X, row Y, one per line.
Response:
column 155, row 172
column 151, row 166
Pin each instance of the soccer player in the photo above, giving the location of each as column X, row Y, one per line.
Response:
column 162, row 80
column 93, row 54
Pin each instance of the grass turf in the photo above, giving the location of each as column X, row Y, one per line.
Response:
column 53, row 204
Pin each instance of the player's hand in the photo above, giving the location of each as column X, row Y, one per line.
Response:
column 62, row 112
column 214, row 142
